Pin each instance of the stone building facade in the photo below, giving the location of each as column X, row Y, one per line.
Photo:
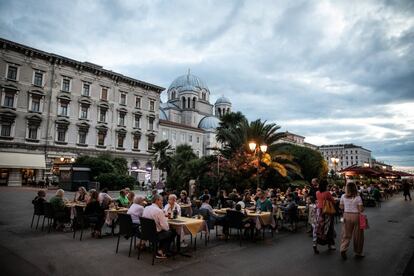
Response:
column 54, row 109
column 347, row 155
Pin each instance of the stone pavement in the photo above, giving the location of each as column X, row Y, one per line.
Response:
column 389, row 246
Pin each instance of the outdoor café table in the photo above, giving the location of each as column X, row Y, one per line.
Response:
column 185, row 226
column 261, row 219
column 72, row 205
column 221, row 211
column 112, row 214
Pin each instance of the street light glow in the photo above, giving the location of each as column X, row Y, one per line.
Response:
column 252, row 146
column 263, row 148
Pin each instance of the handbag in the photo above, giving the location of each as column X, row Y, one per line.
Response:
column 363, row 222
column 328, row 207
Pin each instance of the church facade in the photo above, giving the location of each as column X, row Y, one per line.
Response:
column 188, row 117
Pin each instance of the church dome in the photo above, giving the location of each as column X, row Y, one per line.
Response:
column 188, row 82
column 223, row 100
column 209, row 122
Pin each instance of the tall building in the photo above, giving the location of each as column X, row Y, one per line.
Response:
column 55, row 108
column 345, row 155
column 296, row 139
column 188, row 117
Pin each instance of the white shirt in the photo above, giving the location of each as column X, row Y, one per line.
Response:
column 167, row 208
column 104, row 197
column 136, row 212
column 351, row 204
column 156, row 213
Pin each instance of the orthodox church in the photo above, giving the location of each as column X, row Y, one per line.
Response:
column 188, row 117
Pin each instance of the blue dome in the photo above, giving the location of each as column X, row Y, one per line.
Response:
column 163, row 115
column 188, row 82
column 209, row 122
column 223, row 100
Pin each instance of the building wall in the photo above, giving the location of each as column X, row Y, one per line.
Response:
column 348, row 155
column 55, row 69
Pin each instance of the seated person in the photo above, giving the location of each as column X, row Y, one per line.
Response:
column 61, row 214
column 80, row 195
column 234, row 195
column 104, row 199
column 122, row 199
column 165, row 236
column 214, row 218
column 130, row 196
column 246, row 219
column 172, row 206
column 40, row 199
column 184, row 199
column 151, row 195
column 263, row 203
column 247, row 200
column 95, row 214
column 136, row 209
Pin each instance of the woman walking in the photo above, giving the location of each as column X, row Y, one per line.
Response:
column 324, row 232
column 352, row 205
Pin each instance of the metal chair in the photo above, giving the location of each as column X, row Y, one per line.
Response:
column 38, row 211
column 49, row 215
column 126, row 229
column 148, row 233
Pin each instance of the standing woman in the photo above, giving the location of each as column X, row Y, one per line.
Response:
column 324, row 232
column 352, row 205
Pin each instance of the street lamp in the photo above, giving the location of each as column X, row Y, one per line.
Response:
column 366, row 165
column 62, row 159
column 256, row 152
column 335, row 161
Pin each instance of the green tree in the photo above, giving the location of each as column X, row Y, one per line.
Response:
column 162, row 156
column 310, row 161
column 182, row 168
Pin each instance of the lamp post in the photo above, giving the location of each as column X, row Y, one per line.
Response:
column 335, row 161
column 256, row 150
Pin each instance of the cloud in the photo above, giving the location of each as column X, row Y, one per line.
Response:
column 334, row 72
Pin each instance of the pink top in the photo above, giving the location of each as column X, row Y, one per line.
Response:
column 320, row 197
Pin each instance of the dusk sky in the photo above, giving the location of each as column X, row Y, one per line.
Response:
column 332, row 71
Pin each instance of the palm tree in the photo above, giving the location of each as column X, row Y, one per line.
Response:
column 162, row 155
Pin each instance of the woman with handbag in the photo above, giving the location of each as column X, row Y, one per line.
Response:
column 324, row 232
column 354, row 222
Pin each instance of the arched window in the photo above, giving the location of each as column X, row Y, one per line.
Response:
column 183, row 103
column 173, row 95
column 219, row 111
column 203, row 96
column 194, row 102
column 189, row 102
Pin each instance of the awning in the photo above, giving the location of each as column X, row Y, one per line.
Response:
column 22, row 160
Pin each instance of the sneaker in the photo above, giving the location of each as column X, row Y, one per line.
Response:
column 343, row 255
column 331, row 247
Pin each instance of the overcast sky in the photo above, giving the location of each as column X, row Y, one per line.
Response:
column 332, row 71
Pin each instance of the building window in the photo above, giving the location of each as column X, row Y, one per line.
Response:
column 102, row 115
column 101, row 138
column 63, row 108
column 150, row 142
column 150, row 123
column 6, row 128
column 182, row 137
column 38, row 78
column 198, row 140
column 121, row 139
column 137, row 121
column 35, row 104
column 123, row 99
column 356, row 157
column 61, row 135
column 190, row 138
column 84, row 112
column 12, row 72
column 82, row 137
column 66, row 84
column 121, row 118
column 152, row 105
column 164, row 134
column 356, row 151
column 104, row 93
column 137, row 102
column 9, row 99
column 32, row 133
column 136, row 142
column 86, row 89
column 203, row 96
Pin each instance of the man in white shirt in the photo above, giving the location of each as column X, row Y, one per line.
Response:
column 136, row 209
column 172, row 205
column 165, row 236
